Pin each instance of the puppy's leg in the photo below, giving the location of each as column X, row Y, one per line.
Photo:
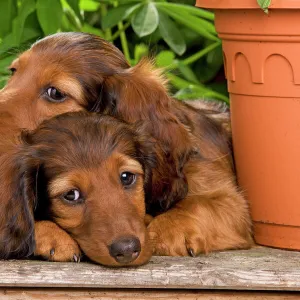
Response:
column 200, row 224
column 54, row 244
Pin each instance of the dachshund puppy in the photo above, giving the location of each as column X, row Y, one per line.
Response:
column 87, row 173
column 193, row 194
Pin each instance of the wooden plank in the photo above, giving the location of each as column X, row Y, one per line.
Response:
column 74, row 294
column 256, row 269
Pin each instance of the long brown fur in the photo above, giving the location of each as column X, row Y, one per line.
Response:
column 193, row 194
column 87, row 153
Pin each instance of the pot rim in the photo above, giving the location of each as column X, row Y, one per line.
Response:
column 247, row 4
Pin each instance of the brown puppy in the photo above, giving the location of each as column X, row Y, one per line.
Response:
column 87, row 173
column 193, row 186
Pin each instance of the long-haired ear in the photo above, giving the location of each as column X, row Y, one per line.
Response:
column 140, row 94
column 164, row 183
column 133, row 93
column 17, row 200
column 146, row 155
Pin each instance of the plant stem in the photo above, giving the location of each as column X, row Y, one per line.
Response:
column 107, row 32
column 123, row 38
column 124, row 42
column 201, row 53
column 117, row 34
column 195, row 56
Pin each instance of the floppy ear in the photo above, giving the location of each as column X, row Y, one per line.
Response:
column 17, row 200
column 134, row 93
column 140, row 94
column 164, row 183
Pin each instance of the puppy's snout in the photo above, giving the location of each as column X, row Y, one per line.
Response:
column 125, row 250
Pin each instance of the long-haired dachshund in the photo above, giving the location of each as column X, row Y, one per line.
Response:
column 88, row 173
column 192, row 192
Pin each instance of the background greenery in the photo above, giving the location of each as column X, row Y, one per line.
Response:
column 181, row 38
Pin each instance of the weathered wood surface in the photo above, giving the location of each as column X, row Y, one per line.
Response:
column 75, row 294
column 256, row 269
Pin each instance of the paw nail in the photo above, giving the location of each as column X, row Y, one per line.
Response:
column 75, row 258
column 52, row 251
column 191, row 252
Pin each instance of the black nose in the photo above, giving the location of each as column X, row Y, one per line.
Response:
column 126, row 249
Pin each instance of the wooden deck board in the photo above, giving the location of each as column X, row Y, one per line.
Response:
column 256, row 269
column 92, row 294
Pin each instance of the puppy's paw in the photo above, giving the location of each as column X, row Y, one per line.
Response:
column 176, row 234
column 54, row 244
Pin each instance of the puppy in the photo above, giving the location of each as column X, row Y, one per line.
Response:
column 193, row 193
column 88, row 173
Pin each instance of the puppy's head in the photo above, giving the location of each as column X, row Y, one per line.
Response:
column 60, row 73
column 91, row 176
column 73, row 71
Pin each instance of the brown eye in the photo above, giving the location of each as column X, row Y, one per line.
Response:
column 127, row 178
column 12, row 70
column 72, row 196
column 54, row 95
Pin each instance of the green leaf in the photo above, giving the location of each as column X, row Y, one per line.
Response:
column 4, row 72
column 90, row 29
column 5, row 62
column 74, row 4
column 202, row 27
column 72, row 20
column 164, row 59
column 8, row 11
column 264, row 4
column 190, row 93
column 195, row 92
column 32, row 29
column 26, row 8
column 187, row 72
column 140, row 50
column 119, row 2
column 171, row 34
column 50, row 14
column 180, row 83
column 3, row 80
column 89, row 5
column 215, row 57
column 7, row 43
column 145, row 21
column 118, row 14
column 127, row 1
column 189, row 89
column 179, row 8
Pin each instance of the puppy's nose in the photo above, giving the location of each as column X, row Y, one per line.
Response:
column 125, row 249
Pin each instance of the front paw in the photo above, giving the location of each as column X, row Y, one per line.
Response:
column 54, row 244
column 176, row 234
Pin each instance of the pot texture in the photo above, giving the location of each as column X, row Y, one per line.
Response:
column 262, row 63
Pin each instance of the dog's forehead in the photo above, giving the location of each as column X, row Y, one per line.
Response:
column 81, row 47
column 85, row 141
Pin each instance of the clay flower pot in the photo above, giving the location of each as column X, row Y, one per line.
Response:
column 262, row 63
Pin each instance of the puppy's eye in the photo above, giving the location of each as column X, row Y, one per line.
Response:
column 72, row 195
column 12, row 70
column 55, row 95
column 127, row 178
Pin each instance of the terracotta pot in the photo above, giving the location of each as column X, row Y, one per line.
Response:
column 262, row 62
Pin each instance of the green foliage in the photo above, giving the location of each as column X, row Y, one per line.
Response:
column 178, row 36
column 264, row 4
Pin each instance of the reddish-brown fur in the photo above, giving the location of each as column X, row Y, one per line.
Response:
column 87, row 152
column 193, row 192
